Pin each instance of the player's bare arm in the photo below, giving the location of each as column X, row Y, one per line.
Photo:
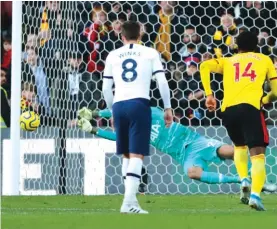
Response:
column 206, row 68
column 272, row 78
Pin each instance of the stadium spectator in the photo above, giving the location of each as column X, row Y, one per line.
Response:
column 144, row 34
column 192, row 44
column 74, row 73
column 28, row 95
column 188, row 93
column 59, row 33
column 256, row 15
column 168, row 25
column 229, row 7
column 35, row 67
column 114, row 12
column 6, row 58
column 7, row 52
column 33, row 41
column 7, row 85
column 265, row 42
column 114, row 40
column 223, row 39
column 31, row 17
column 5, row 118
column 96, row 35
column 53, row 21
column 6, row 16
column 53, row 37
column 3, row 76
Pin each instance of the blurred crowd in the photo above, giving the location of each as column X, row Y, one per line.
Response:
column 65, row 44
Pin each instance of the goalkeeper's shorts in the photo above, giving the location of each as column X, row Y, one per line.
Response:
column 132, row 122
column 201, row 152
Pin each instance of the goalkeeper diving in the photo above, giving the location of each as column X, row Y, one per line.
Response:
column 193, row 151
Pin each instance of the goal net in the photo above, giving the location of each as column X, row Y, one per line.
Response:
column 64, row 47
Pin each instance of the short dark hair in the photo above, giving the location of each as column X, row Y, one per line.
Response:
column 247, row 41
column 4, row 69
column 131, row 30
column 190, row 27
column 7, row 38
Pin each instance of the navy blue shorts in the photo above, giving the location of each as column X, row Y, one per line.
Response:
column 132, row 122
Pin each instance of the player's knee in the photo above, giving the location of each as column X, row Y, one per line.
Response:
column 194, row 173
column 257, row 150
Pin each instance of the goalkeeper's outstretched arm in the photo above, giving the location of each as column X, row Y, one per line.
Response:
column 90, row 114
column 107, row 134
column 86, row 126
column 85, row 115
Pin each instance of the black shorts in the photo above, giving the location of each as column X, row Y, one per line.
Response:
column 246, row 126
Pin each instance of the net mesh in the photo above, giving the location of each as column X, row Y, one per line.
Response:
column 64, row 48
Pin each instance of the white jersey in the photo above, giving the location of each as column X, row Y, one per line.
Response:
column 131, row 67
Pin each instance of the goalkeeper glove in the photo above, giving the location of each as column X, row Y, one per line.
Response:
column 87, row 113
column 85, row 125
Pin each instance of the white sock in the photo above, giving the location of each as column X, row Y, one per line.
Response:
column 125, row 163
column 132, row 180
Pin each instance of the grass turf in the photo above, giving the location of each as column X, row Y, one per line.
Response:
column 166, row 212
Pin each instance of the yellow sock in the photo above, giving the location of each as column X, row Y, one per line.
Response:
column 258, row 173
column 241, row 161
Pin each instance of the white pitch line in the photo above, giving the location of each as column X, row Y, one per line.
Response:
column 25, row 211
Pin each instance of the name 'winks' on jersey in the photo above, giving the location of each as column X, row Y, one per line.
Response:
column 131, row 67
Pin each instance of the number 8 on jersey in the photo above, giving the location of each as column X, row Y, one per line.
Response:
column 129, row 73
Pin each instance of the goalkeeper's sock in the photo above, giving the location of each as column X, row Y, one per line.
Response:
column 258, row 174
column 217, row 178
column 125, row 163
column 132, row 181
column 241, row 161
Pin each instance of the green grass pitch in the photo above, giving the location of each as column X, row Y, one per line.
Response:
column 166, row 212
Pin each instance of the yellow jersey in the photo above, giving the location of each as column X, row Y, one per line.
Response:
column 244, row 75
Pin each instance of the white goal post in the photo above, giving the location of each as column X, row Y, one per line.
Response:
column 16, row 96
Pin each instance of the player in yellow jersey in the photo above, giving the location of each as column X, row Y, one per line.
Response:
column 244, row 75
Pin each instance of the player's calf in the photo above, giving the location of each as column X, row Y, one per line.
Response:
column 258, row 172
column 197, row 173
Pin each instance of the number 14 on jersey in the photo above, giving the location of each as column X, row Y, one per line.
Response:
column 246, row 73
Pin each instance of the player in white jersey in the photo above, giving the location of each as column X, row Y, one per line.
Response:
column 130, row 68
